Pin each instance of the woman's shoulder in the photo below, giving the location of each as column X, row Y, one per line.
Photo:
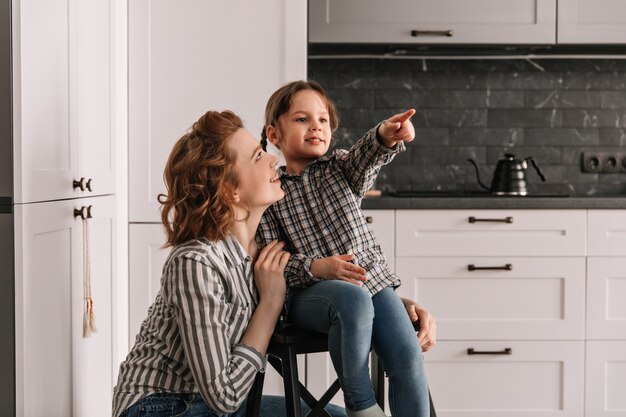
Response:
column 214, row 254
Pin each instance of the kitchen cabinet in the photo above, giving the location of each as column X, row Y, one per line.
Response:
column 529, row 22
column 508, row 290
column 606, row 313
column 62, row 99
column 58, row 371
column 189, row 57
column 591, row 21
column 433, row 22
column 605, row 379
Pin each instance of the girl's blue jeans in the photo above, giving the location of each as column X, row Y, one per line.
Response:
column 192, row 405
column 355, row 322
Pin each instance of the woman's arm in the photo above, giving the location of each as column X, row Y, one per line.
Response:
column 223, row 373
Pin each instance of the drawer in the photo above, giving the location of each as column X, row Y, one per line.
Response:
column 537, row 299
column 607, row 232
column 382, row 224
column 605, row 379
column 487, row 232
column 536, row 379
column 606, row 295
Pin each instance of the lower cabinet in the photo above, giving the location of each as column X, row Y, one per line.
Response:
column 507, row 378
column 58, row 371
column 605, row 379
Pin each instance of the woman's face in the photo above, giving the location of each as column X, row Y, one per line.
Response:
column 259, row 186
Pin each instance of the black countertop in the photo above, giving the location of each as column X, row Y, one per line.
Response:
column 429, row 202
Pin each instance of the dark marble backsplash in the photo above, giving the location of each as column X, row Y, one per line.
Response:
column 551, row 109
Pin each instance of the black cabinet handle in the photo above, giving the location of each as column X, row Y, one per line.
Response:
column 473, row 219
column 507, row 267
column 82, row 184
column 369, row 219
column 505, row 351
column 84, row 212
column 447, row 33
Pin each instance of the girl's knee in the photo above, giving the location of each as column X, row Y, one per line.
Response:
column 352, row 303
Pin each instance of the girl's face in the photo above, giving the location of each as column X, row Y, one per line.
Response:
column 304, row 133
column 259, row 186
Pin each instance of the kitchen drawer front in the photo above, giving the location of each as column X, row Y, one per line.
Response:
column 606, row 298
column 537, row 379
column 451, row 233
column 607, row 233
column 538, row 299
column 605, row 379
column 382, row 224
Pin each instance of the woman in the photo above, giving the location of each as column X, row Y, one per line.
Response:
column 206, row 334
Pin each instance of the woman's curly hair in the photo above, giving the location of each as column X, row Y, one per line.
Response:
column 200, row 178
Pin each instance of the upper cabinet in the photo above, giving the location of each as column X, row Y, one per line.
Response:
column 62, row 99
column 189, row 57
column 592, row 21
column 492, row 22
column 433, row 21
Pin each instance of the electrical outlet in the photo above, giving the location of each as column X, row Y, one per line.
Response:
column 604, row 162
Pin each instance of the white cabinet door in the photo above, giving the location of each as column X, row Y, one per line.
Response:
column 606, row 230
column 189, row 57
column 592, row 21
column 382, row 224
column 44, row 154
column 538, row 298
column 534, row 379
column 61, row 98
column 92, row 92
column 146, row 259
column 437, row 22
column 606, row 292
column 490, row 232
column 58, row 372
column 605, row 379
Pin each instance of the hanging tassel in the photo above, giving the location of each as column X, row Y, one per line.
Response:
column 88, row 314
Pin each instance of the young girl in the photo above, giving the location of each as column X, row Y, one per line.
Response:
column 206, row 334
column 339, row 282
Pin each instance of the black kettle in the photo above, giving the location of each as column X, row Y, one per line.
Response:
column 510, row 175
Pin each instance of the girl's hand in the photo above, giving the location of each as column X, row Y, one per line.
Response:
column 427, row 334
column 338, row 267
column 269, row 270
column 396, row 129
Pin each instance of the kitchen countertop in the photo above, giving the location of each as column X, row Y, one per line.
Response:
column 494, row 202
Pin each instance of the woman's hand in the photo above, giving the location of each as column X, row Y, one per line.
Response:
column 269, row 270
column 396, row 129
column 427, row 334
column 340, row 268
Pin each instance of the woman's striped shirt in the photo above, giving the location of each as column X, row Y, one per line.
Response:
column 189, row 343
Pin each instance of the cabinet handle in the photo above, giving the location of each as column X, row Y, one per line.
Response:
column 473, row 219
column 82, row 184
column 79, row 184
column 369, row 219
column 507, row 267
column 505, row 351
column 448, row 33
column 84, row 212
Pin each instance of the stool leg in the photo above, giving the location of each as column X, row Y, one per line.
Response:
column 253, row 405
column 292, row 384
